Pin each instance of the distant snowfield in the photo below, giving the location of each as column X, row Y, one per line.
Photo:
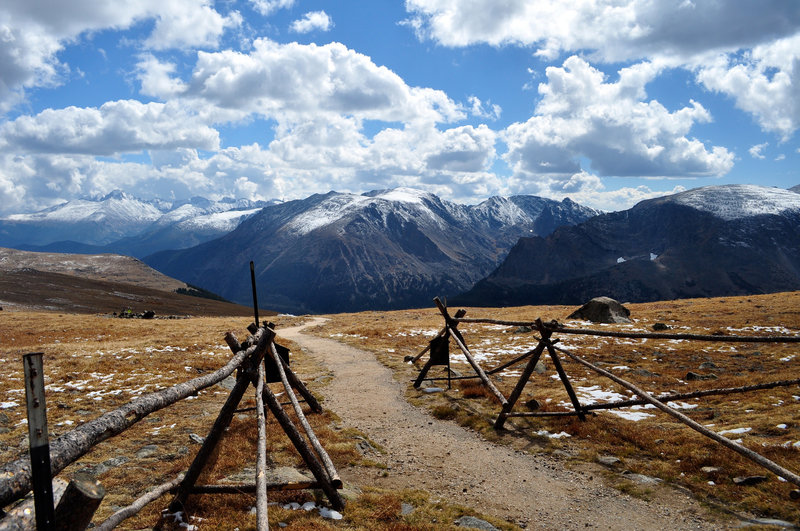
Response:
column 740, row 200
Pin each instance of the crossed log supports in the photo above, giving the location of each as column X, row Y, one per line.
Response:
column 261, row 347
column 546, row 341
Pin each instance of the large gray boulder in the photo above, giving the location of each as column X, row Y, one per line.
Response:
column 602, row 310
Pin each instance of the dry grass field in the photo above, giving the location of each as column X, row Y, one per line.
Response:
column 645, row 440
column 94, row 364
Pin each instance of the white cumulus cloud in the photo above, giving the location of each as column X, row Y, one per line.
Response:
column 615, row 30
column 116, row 127
column 757, row 151
column 33, row 32
column 298, row 81
column 267, row 7
column 312, row 21
column 763, row 82
column 581, row 115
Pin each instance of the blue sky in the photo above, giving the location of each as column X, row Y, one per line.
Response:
column 607, row 101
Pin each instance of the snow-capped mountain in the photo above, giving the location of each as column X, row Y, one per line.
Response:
column 122, row 223
column 94, row 222
column 711, row 241
column 380, row 250
column 737, row 201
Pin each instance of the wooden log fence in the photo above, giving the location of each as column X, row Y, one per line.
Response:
column 16, row 477
column 773, row 467
column 547, row 342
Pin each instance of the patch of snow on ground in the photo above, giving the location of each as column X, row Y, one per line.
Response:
column 8, row 405
column 309, row 506
column 768, row 329
column 545, row 433
column 735, row 431
column 595, row 394
column 634, row 416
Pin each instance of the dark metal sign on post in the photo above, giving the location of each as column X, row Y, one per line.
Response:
column 39, row 444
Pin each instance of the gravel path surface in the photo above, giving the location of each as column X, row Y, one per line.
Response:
column 534, row 491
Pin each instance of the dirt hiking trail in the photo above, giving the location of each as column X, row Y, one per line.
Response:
column 456, row 465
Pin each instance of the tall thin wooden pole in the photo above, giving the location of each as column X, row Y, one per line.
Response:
column 255, row 295
column 262, row 520
column 39, row 444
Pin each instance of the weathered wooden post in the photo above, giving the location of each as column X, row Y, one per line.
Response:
column 39, row 444
column 255, row 295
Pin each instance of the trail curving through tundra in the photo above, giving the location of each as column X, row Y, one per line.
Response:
column 458, row 466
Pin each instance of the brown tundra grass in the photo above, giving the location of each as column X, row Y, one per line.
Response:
column 657, row 445
column 94, row 364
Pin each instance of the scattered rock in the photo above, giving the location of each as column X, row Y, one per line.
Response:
column 282, row 474
column 532, row 404
column 644, row 372
column 707, row 366
column 433, row 389
column 4, row 420
column 523, row 330
column 350, row 492
column 474, row 523
column 608, row 460
column 364, row 447
column 602, row 310
column 746, row 481
column 196, row 438
column 541, row 367
column 658, row 327
column 563, row 454
column 228, row 383
column 406, row 509
column 641, row 479
column 147, row 451
column 711, row 470
column 693, row 376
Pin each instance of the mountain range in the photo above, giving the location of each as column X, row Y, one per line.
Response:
column 398, row 248
column 380, row 250
column 710, row 241
column 121, row 223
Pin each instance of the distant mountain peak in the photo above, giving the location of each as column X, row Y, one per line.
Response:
column 116, row 194
column 737, row 201
column 402, row 194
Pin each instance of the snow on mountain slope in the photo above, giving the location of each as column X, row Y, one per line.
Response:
column 116, row 206
column 119, row 217
column 220, row 222
column 736, row 201
column 407, row 202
